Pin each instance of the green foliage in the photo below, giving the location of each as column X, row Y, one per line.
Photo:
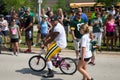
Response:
column 2, row 6
column 64, row 4
column 6, row 5
column 108, row 2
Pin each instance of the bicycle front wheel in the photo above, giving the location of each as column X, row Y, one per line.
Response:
column 68, row 66
column 37, row 63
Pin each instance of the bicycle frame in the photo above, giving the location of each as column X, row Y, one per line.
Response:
column 57, row 62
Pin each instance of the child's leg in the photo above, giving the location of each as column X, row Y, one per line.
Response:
column 93, row 57
column 16, row 48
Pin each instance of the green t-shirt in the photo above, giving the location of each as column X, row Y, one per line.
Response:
column 93, row 43
column 93, row 16
column 97, row 27
column 14, row 32
column 75, row 26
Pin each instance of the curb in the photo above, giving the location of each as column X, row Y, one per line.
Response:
column 72, row 51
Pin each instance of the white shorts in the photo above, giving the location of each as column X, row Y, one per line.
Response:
column 77, row 44
column 98, row 37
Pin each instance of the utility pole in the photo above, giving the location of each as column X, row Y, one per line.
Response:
column 39, row 7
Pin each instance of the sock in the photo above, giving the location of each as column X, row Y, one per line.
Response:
column 49, row 64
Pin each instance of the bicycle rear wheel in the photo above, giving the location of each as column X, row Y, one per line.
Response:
column 68, row 66
column 37, row 63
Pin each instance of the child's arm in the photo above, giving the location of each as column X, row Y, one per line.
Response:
column 19, row 32
column 95, row 45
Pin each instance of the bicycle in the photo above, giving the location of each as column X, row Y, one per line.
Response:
column 65, row 64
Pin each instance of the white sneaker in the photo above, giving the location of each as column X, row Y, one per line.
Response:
column 20, row 41
column 35, row 44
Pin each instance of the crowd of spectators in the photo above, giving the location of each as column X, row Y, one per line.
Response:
column 105, row 25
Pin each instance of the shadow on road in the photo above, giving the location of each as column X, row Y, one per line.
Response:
column 29, row 71
column 51, row 79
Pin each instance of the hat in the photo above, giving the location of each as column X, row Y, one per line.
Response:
column 54, row 18
column 1, row 15
column 27, row 10
column 44, row 16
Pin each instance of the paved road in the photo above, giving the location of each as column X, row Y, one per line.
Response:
column 16, row 68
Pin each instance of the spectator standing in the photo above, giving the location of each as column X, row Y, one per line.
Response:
column 50, row 15
column 83, row 15
column 28, row 28
column 75, row 26
column 38, row 26
column 110, row 31
column 60, row 15
column 66, row 22
column 45, row 27
column 112, row 11
column 104, row 17
column 97, row 29
column 48, row 10
column 85, row 53
column 72, row 15
column 93, row 48
column 14, row 36
column 4, row 25
column 118, row 30
column 93, row 14
column 14, row 17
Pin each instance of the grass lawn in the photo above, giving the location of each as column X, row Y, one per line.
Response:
column 69, row 46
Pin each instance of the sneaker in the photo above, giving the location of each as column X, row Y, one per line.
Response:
column 20, row 41
column 35, row 44
column 16, row 54
column 91, row 63
column 49, row 74
column 10, row 49
column 27, row 51
column 90, row 79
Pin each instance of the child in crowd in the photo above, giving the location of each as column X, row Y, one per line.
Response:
column 14, row 36
column 93, row 48
column 0, row 38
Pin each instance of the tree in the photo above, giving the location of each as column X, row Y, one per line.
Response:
column 108, row 2
column 64, row 4
column 6, row 5
column 2, row 6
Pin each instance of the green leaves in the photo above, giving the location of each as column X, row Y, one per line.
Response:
column 108, row 2
column 64, row 4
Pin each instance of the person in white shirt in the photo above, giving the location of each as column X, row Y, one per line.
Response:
column 85, row 52
column 57, row 41
column 5, row 29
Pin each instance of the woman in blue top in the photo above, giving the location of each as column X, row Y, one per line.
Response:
column 45, row 26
